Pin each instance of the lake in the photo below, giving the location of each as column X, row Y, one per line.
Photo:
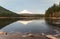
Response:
column 23, row 26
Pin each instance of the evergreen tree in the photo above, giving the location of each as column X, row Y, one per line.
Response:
column 53, row 11
column 7, row 13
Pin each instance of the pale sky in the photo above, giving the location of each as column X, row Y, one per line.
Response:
column 35, row 6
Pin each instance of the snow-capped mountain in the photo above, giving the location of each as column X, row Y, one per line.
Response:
column 25, row 12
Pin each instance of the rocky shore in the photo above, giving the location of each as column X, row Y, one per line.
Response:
column 18, row 35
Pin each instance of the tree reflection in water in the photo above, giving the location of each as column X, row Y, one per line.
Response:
column 56, row 24
column 6, row 21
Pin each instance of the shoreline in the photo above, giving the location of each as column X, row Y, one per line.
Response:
column 28, row 35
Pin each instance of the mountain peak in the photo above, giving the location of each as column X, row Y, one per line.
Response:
column 25, row 11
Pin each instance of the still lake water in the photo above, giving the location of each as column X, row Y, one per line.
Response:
column 34, row 26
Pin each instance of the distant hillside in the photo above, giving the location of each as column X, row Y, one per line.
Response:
column 6, row 13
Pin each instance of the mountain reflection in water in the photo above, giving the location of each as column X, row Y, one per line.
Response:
column 34, row 26
column 25, row 22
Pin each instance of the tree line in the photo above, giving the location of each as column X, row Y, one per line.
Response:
column 7, row 13
column 53, row 11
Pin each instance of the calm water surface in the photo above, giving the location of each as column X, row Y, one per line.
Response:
column 34, row 26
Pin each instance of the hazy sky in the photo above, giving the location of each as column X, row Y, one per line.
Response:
column 37, row 6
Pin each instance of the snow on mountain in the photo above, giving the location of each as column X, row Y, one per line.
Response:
column 25, row 12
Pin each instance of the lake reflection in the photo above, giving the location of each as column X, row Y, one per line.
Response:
column 34, row 26
column 25, row 22
column 6, row 21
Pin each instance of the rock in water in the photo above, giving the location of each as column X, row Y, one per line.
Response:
column 3, row 33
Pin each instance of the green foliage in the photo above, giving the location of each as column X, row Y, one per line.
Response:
column 6, row 13
column 52, row 10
